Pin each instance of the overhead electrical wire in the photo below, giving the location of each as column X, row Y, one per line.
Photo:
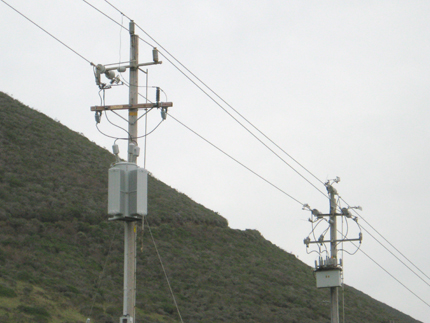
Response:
column 213, row 100
column 386, row 271
column 205, row 92
column 259, row 131
column 230, row 106
column 78, row 54
column 389, row 243
column 113, row 20
column 216, row 102
column 374, row 261
column 234, row 159
column 401, row 261
column 158, row 254
column 392, row 276
column 158, row 44
column 118, row 10
column 241, row 124
column 229, row 115
column 47, row 32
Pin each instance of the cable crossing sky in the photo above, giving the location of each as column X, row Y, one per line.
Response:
column 223, row 108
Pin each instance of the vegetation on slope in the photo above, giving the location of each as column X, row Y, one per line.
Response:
column 62, row 261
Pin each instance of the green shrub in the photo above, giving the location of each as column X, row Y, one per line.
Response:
column 24, row 276
column 7, row 292
column 34, row 311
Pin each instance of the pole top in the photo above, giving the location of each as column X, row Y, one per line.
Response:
column 131, row 27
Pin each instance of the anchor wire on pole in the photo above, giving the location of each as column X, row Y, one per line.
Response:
column 164, row 270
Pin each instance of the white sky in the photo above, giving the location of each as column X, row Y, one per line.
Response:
column 342, row 86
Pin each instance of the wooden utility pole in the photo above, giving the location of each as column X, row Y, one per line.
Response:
column 334, row 291
column 130, row 226
column 128, row 182
column 328, row 271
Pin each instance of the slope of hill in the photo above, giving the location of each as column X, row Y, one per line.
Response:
column 61, row 260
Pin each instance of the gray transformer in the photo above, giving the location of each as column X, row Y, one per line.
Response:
column 328, row 277
column 128, row 192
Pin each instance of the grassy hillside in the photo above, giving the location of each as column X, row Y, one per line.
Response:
column 62, row 261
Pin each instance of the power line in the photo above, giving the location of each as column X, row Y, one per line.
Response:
column 230, row 106
column 283, row 159
column 241, row 124
column 217, row 103
column 47, row 32
column 113, row 20
column 224, row 110
column 265, row 136
column 380, row 266
column 118, row 10
column 370, row 258
column 259, row 131
column 399, row 258
column 395, row 278
column 234, row 159
column 358, row 214
column 209, row 96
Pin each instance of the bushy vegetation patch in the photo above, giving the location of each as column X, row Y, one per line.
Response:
column 7, row 292
column 62, row 261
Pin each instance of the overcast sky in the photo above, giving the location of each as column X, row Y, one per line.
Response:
column 341, row 86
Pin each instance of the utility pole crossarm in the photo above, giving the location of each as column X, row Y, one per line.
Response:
column 132, row 106
column 326, row 241
column 121, row 67
column 320, row 215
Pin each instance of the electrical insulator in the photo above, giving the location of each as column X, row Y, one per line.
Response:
column 98, row 116
column 316, row 212
column 101, row 68
column 155, row 55
column 164, row 113
column 115, row 149
column 131, row 147
column 157, row 96
column 136, row 151
column 110, row 74
column 346, row 212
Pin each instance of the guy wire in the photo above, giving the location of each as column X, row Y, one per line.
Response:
column 164, row 271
